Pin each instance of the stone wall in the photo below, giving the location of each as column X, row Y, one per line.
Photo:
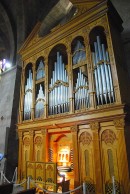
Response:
column 9, row 103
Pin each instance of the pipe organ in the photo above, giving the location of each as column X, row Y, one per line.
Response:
column 28, row 97
column 73, row 104
column 102, row 74
column 58, row 88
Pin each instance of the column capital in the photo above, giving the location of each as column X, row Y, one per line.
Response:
column 74, row 129
column 44, row 131
column 31, row 133
column 94, row 126
column 119, row 123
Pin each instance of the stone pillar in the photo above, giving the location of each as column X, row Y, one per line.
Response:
column 97, row 157
column 31, row 134
column 22, row 96
column 20, row 134
column 122, row 155
column 74, row 131
column 44, row 133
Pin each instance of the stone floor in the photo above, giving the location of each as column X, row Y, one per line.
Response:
column 17, row 189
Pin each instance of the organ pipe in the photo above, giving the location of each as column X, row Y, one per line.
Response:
column 79, row 53
column 39, row 107
column 59, row 88
column 102, row 74
column 28, row 97
column 81, row 92
column 40, row 71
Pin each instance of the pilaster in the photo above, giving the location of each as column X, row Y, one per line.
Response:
column 122, row 154
column 74, row 131
column 44, row 133
column 31, row 134
column 94, row 126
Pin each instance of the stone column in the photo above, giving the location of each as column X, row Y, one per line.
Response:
column 22, row 96
column 44, row 133
column 20, row 134
column 94, row 126
column 31, row 134
column 74, row 131
column 122, row 154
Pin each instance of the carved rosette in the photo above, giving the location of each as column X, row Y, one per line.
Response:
column 85, row 138
column 74, row 129
column 108, row 136
column 44, row 131
column 94, row 126
column 119, row 123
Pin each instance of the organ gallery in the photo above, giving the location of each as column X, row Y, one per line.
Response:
column 72, row 112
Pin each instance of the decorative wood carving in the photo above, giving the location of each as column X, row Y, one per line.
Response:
column 119, row 123
column 74, row 129
column 44, row 131
column 26, row 141
column 94, row 126
column 38, row 140
column 108, row 136
column 85, row 138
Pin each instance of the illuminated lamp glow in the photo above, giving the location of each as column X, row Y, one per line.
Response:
column 8, row 65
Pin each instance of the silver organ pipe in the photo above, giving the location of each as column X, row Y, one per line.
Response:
column 40, row 71
column 28, row 97
column 59, row 88
column 39, row 107
column 81, row 92
column 79, row 53
column 102, row 74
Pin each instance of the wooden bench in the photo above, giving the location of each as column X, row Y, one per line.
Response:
column 28, row 191
column 6, row 188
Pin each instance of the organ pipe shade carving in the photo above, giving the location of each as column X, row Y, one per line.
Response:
column 40, row 71
column 59, row 88
column 39, row 107
column 28, row 97
column 81, row 92
column 102, row 73
column 79, row 53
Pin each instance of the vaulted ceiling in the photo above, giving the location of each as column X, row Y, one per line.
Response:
column 18, row 17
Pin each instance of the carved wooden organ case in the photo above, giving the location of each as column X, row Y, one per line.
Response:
column 71, row 77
